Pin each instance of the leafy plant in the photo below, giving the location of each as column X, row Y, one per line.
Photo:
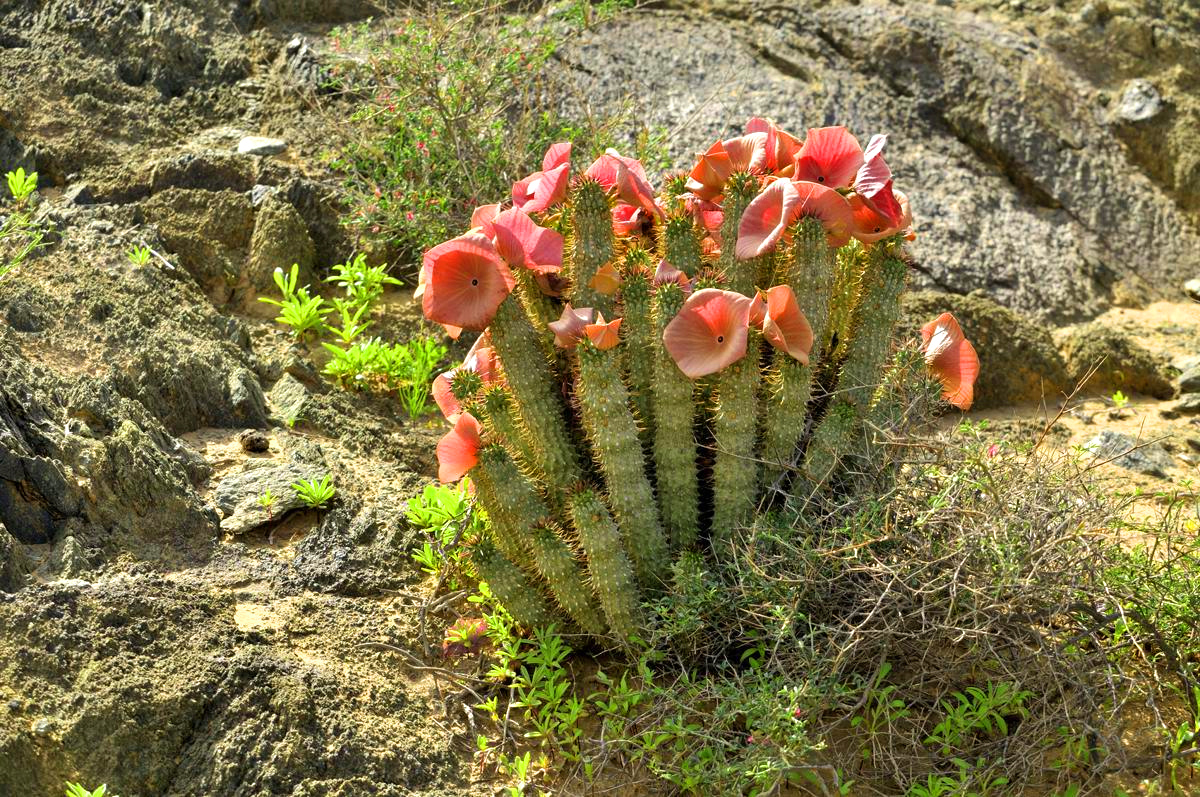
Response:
column 315, row 493
column 76, row 790
column 139, row 255
column 299, row 310
column 21, row 185
column 1119, row 400
column 444, row 514
column 978, row 710
column 352, row 324
column 363, row 284
column 267, row 501
column 406, row 368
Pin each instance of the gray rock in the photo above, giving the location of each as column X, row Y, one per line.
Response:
column 1192, row 289
column 254, row 441
column 1120, row 362
column 1124, row 451
column 280, row 239
column 1193, row 443
column 237, row 495
column 289, row 397
column 1188, row 404
column 261, row 145
column 79, row 194
column 1189, row 380
column 1139, row 102
column 246, row 398
column 260, row 192
column 69, row 560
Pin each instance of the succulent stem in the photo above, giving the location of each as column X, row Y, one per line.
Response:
column 610, row 570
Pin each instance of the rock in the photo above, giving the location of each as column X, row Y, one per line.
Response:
column 14, row 562
column 1127, row 452
column 79, row 194
column 1017, row 359
column 289, row 397
column 246, row 398
column 1192, row 289
column 69, row 560
column 260, row 192
column 1189, row 380
column 1188, row 404
column 206, row 230
column 1124, row 364
column 260, row 145
column 42, row 727
column 254, row 441
column 280, row 239
column 237, row 495
column 1193, row 443
column 1140, row 101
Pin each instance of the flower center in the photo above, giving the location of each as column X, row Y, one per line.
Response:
column 720, row 338
column 877, row 229
column 820, row 178
column 475, row 282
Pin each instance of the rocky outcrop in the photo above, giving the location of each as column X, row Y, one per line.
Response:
column 1025, row 181
column 1119, row 362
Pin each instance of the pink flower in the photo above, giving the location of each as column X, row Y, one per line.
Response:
column 785, row 326
column 603, row 336
column 464, row 281
column 571, row 326
column 952, row 359
column 869, row 225
column 606, row 280
column 831, row 156
column 482, row 360
column 666, row 273
column 874, row 182
column 769, row 214
column 709, row 333
column 521, row 242
column 780, row 148
column 627, row 177
column 541, row 190
column 458, row 450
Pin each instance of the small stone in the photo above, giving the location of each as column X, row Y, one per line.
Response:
column 1193, row 443
column 79, row 194
column 1190, row 459
column 42, row 727
column 1130, row 453
column 1192, row 289
column 15, row 705
column 1189, row 380
column 1139, row 102
column 259, row 193
column 1119, row 415
column 260, row 145
column 1169, row 413
column 1188, row 404
column 254, row 441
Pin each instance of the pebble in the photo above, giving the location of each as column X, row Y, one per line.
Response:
column 254, row 441
column 1193, row 443
column 1129, row 453
column 1189, row 380
column 1192, row 289
column 1188, row 404
column 1139, row 102
column 260, row 145
column 42, row 727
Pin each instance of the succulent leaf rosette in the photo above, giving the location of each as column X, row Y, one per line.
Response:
column 653, row 366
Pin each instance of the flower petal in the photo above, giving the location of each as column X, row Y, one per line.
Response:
column 747, row 153
column 708, row 176
column 557, row 155
column 465, row 281
column 666, row 273
column 483, row 216
column 458, row 450
column 521, row 242
column 709, row 332
column 606, row 280
column 785, row 326
column 627, row 219
column 869, row 225
column 827, row 205
column 781, row 147
column 831, row 156
column 765, row 219
column 951, row 358
column 604, row 336
column 570, row 326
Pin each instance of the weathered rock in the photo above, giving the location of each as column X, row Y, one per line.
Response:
column 1140, row 101
column 254, row 441
column 1124, row 364
column 1130, row 453
column 289, row 397
column 261, row 145
column 237, row 495
column 1189, row 380
column 280, row 239
column 14, row 562
column 1192, row 289
column 246, row 399
column 1188, row 404
column 207, row 231
column 1017, row 359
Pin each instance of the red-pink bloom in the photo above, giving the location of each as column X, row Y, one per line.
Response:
column 707, row 178
column 780, row 148
column 548, row 187
column 869, row 225
column 708, row 215
column 458, row 450
column 521, row 242
column 785, row 326
column 627, row 176
column 627, row 219
column 666, row 273
column 758, row 309
column 769, row 214
column 874, row 182
column 571, row 326
column 464, row 282
column 830, row 156
column 951, row 358
column 483, row 216
column 604, row 336
column 482, row 360
column 709, row 332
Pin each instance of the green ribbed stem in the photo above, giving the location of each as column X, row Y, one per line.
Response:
column 637, row 350
column 740, row 275
column 674, row 440
column 868, row 344
column 611, row 573
column 566, row 577
column 538, row 307
column 809, row 269
column 681, row 244
column 735, row 472
column 591, row 244
column 507, row 534
column 500, row 419
column 531, row 378
column 847, row 283
column 512, row 587
column 604, row 406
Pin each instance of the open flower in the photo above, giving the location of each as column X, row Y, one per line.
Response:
column 784, row 325
column 606, row 280
column 482, row 360
column 874, row 182
column 571, row 326
column 465, row 281
column 458, row 450
column 521, row 242
column 951, row 358
column 831, row 156
column 780, row 148
column 869, row 225
column 627, row 219
column 548, row 187
column 603, row 336
column 627, row 177
column 709, row 332
column 666, row 273
column 777, row 206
